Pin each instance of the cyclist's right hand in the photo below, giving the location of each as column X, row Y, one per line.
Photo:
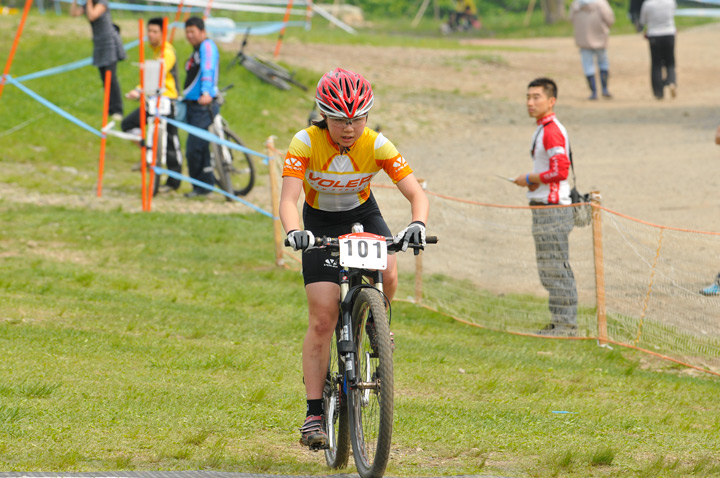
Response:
column 300, row 240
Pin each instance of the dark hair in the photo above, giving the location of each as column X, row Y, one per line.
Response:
column 321, row 123
column 551, row 89
column 156, row 21
column 195, row 22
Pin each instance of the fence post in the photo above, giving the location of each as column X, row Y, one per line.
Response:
column 103, row 140
column 595, row 199
column 18, row 34
column 418, row 278
column 278, row 236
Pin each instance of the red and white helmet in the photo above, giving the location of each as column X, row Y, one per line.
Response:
column 345, row 94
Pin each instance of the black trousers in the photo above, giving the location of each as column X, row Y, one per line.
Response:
column 662, row 59
column 116, row 99
column 197, row 149
column 173, row 153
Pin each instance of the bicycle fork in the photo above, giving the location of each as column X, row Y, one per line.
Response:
column 346, row 344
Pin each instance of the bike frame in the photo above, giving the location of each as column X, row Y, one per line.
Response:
column 350, row 284
column 165, row 108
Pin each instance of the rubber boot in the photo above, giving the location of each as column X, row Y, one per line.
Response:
column 604, row 82
column 593, row 88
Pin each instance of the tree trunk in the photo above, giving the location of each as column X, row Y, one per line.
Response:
column 554, row 10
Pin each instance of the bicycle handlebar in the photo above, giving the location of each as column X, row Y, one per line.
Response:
column 332, row 243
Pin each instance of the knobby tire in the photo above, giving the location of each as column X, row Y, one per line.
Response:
column 336, row 411
column 265, row 73
column 238, row 176
column 371, row 411
column 242, row 171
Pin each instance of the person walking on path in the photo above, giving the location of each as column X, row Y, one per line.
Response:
column 201, row 80
column 591, row 21
column 548, row 185
column 658, row 19
column 173, row 154
column 107, row 48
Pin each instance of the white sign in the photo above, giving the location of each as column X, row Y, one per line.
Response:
column 363, row 250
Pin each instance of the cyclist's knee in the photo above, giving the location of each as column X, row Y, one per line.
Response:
column 322, row 322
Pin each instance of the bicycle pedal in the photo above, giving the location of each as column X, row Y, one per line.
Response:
column 318, row 446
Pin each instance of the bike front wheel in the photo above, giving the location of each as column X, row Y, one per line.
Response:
column 265, row 73
column 336, row 412
column 371, row 401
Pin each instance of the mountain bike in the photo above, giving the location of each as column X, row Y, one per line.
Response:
column 233, row 169
column 359, row 388
column 264, row 69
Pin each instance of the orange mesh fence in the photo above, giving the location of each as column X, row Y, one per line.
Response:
column 484, row 271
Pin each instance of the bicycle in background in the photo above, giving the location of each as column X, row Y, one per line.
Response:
column 233, row 169
column 265, row 69
column 359, row 387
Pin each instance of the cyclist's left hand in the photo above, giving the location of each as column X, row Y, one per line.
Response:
column 413, row 234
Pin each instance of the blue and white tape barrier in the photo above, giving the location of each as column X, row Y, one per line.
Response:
column 158, row 170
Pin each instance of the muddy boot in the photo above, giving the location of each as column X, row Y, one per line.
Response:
column 604, row 82
column 593, row 88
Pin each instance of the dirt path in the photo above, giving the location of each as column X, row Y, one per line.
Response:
column 459, row 118
column 654, row 160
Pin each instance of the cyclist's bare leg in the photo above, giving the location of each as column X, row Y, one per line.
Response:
column 323, row 300
column 390, row 278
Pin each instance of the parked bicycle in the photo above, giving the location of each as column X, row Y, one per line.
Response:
column 265, row 69
column 233, row 169
column 359, row 388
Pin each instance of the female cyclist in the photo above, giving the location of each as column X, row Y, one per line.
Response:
column 333, row 161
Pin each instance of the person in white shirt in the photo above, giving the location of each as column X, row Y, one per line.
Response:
column 658, row 20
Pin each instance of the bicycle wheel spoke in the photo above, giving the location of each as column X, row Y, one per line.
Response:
column 371, row 401
column 336, row 416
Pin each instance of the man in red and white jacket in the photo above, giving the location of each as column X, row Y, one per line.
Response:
column 548, row 185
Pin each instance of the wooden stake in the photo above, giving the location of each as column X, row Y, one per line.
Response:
column 599, row 267
column 278, row 236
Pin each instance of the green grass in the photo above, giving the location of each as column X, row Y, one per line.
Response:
column 163, row 341
column 172, row 342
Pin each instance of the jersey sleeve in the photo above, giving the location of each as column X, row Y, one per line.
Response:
column 390, row 160
column 169, row 57
column 209, row 61
column 298, row 156
column 554, row 144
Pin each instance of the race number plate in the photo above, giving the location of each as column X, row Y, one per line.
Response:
column 363, row 250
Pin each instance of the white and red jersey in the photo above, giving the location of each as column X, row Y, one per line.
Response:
column 550, row 150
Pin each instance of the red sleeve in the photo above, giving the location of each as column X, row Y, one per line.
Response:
column 554, row 144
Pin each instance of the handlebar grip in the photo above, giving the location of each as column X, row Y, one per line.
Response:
column 318, row 242
column 431, row 239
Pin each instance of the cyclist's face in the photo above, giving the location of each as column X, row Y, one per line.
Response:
column 538, row 102
column 346, row 131
column 154, row 35
column 194, row 35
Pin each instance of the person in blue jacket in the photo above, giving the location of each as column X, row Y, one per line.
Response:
column 201, row 90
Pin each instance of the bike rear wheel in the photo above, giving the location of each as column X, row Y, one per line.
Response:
column 371, row 401
column 234, row 173
column 336, row 412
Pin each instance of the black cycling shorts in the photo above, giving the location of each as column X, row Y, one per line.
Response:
column 319, row 265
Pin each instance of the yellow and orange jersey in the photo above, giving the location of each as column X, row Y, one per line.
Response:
column 339, row 182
